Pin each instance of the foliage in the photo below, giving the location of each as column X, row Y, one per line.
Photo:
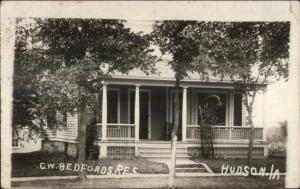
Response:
column 276, row 138
column 190, row 54
column 252, row 54
column 60, row 63
column 189, row 43
column 249, row 53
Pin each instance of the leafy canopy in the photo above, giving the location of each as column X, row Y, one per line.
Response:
column 60, row 63
column 247, row 52
column 253, row 53
column 189, row 43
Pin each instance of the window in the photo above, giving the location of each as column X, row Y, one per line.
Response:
column 15, row 142
column 213, row 108
column 56, row 118
column 15, row 139
column 51, row 118
column 61, row 118
column 238, row 109
column 113, row 106
column 131, row 107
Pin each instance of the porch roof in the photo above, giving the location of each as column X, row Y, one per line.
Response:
column 165, row 77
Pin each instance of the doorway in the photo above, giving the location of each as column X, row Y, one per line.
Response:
column 145, row 112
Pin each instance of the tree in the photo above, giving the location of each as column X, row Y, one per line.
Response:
column 207, row 115
column 248, row 53
column 29, row 63
column 75, row 55
column 190, row 53
column 251, row 54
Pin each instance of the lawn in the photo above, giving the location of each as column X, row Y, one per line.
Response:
column 37, row 164
column 160, row 182
column 216, row 164
column 29, row 164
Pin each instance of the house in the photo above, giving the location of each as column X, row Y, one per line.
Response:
column 135, row 115
column 23, row 142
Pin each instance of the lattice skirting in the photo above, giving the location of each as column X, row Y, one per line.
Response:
column 229, row 152
column 120, row 151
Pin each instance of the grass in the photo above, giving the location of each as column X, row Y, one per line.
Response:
column 216, row 164
column 28, row 164
column 160, row 182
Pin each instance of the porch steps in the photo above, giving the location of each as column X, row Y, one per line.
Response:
column 161, row 152
column 192, row 168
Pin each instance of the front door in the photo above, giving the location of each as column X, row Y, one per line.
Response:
column 145, row 132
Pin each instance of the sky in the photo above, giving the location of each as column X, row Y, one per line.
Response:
column 277, row 109
column 139, row 25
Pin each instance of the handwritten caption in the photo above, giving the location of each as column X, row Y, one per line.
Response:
column 103, row 170
column 246, row 171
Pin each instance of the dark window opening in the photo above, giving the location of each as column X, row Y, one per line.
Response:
column 112, row 107
column 238, row 110
column 213, row 108
column 132, row 107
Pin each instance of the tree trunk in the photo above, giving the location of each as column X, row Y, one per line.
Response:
column 82, row 141
column 251, row 137
column 174, row 133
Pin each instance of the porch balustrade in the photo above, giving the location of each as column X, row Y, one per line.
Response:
column 118, row 131
column 224, row 132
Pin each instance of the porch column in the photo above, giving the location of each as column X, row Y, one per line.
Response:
column 137, row 112
column 184, row 113
column 103, row 147
column 104, row 112
column 264, row 118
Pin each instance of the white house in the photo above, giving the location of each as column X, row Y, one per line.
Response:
column 135, row 117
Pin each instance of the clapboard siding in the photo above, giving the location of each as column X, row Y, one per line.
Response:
column 68, row 132
column 72, row 124
column 72, row 129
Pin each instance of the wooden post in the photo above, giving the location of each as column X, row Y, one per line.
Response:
column 231, row 113
column 137, row 112
column 264, row 118
column 184, row 113
column 103, row 151
column 104, row 112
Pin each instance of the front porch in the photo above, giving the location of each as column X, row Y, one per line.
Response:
column 126, row 132
column 133, row 114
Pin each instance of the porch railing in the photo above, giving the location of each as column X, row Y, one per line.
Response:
column 193, row 132
column 119, row 131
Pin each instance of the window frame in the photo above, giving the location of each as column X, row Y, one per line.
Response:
column 18, row 142
column 229, row 110
column 118, row 103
